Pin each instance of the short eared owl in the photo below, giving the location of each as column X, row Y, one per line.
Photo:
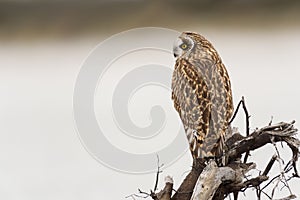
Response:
column 201, row 93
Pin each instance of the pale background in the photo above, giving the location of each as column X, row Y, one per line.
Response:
column 42, row 47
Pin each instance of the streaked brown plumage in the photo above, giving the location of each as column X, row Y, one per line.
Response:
column 201, row 93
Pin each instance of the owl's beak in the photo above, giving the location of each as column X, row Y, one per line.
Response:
column 177, row 51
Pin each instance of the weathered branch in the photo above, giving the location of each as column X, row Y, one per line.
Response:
column 269, row 166
column 210, row 179
column 186, row 188
column 238, row 145
column 248, row 183
column 166, row 193
column 278, row 132
column 215, row 183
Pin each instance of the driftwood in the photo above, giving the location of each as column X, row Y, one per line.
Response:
column 208, row 181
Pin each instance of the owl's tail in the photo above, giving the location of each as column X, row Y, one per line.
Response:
column 201, row 148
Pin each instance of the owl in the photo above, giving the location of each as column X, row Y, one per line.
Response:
column 202, row 96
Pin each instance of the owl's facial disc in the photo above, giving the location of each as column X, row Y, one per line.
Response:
column 182, row 46
column 177, row 51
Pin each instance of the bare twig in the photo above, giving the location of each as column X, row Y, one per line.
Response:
column 236, row 111
column 269, row 166
column 288, row 198
column 145, row 193
column 247, row 116
column 140, row 195
column 157, row 173
column 271, row 121
column 152, row 193
column 243, row 103
column 281, row 178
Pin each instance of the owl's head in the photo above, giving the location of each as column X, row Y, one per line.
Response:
column 183, row 45
column 187, row 43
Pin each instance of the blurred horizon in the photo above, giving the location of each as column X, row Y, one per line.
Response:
column 62, row 19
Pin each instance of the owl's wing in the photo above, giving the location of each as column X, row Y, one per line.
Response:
column 191, row 97
column 202, row 97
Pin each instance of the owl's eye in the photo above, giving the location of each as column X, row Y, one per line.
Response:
column 183, row 46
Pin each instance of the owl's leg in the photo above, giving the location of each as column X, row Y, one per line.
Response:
column 199, row 138
column 221, row 159
column 201, row 150
column 198, row 147
column 194, row 147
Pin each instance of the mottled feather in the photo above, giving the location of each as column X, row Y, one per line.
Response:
column 202, row 96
